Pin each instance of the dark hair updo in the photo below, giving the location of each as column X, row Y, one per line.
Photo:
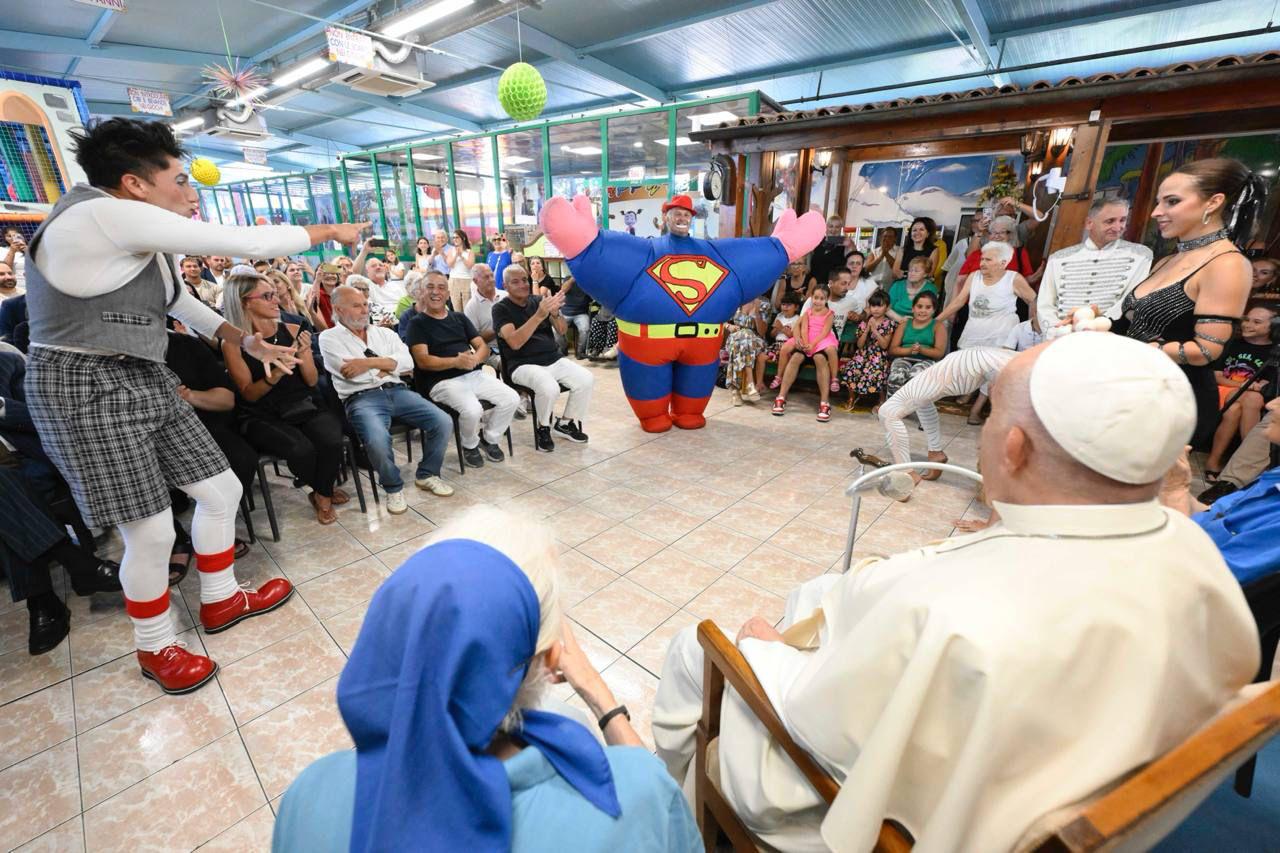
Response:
column 1245, row 192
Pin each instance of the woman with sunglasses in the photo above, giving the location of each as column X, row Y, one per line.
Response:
column 279, row 412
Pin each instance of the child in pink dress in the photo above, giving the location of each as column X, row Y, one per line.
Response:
column 815, row 338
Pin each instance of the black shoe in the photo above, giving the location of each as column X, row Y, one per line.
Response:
column 519, row 415
column 50, row 622
column 493, row 451
column 1219, row 489
column 104, row 578
column 542, row 439
column 571, row 430
column 472, row 457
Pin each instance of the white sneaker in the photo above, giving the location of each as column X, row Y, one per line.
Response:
column 737, row 397
column 396, row 503
column 610, row 354
column 435, row 486
column 752, row 394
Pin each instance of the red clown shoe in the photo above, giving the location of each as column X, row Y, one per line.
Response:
column 175, row 669
column 221, row 615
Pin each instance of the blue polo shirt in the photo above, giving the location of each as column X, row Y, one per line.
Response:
column 1245, row 526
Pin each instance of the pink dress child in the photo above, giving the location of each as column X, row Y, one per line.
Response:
column 815, row 326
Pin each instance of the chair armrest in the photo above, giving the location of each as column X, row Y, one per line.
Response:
column 723, row 656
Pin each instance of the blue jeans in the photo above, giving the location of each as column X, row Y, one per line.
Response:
column 370, row 413
column 581, row 322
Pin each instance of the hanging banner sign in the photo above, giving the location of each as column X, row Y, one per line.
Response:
column 257, row 156
column 149, row 101
column 349, row 48
column 113, row 5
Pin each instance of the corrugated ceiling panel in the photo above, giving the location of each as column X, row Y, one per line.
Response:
column 608, row 19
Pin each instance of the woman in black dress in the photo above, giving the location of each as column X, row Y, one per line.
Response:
column 1189, row 304
column 280, row 415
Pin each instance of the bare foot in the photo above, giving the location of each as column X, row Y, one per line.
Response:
column 971, row 525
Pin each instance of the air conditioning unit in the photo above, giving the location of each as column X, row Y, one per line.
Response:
column 397, row 72
column 245, row 125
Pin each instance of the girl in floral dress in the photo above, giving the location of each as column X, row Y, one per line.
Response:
column 866, row 372
column 743, row 341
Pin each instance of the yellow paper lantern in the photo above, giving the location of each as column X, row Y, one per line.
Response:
column 205, row 171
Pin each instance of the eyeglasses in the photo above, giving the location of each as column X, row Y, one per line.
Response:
column 265, row 297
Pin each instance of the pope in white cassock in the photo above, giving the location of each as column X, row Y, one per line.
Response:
column 967, row 688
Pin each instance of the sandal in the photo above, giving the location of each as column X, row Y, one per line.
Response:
column 824, row 412
column 835, row 387
column 242, row 548
column 867, row 458
column 780, row 406
column 776, row 383
column 1211, row 476
column 178, row 570
column 973, row 420
column 324, row 515
column 339, row 497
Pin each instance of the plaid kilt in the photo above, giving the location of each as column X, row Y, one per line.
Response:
column 117, row 431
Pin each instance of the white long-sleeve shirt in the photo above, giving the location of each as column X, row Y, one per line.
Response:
column 1084, row 274
column 101, row 245
column 339, row 344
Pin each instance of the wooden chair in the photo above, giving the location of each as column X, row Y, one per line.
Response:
column 1132, row 814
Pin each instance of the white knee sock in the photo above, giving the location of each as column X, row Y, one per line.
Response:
column 213, row 534
column 144, row 575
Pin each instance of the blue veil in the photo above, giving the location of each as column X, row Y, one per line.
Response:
column 444, row 647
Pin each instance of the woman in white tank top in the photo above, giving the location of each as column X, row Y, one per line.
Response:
column 460, row 259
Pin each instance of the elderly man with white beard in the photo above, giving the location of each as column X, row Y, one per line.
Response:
column 966, row 688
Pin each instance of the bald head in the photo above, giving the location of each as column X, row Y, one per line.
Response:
column 1023, row 464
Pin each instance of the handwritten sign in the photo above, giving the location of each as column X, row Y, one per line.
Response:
column 257, row 156
column 113, row 5
column 149, row 101
column 349, row 48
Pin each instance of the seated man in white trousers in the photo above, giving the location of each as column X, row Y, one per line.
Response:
column 962, row 372
column 524, row 325
column 447, row 354
column 966, row 688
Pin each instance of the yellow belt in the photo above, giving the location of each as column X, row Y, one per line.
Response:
column 669, row 330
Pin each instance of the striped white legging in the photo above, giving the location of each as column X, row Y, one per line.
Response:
column 892, row 414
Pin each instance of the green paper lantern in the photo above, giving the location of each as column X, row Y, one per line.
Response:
column 522, row 92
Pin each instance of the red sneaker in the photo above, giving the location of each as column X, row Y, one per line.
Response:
column 221, row 615
column 175, row 669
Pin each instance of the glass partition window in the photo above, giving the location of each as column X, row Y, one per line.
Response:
column 397, row 201
column 786, row 173
column 431, row 180
column 364, row 202
column 476, row 191
column 575, row 161
column 692, row 158
column 322, row 194
column 226, row 208
column 295, row 193
column 638, row 148
column 520, row 167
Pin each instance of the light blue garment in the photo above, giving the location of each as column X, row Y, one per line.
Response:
column 548, row 816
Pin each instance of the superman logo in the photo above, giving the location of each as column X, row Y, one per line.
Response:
column 688, row 279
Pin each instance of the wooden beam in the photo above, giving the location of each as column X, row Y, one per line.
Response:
column 1086, row 160
column 962, row 146
column 1194, row 126
column 1141, row 203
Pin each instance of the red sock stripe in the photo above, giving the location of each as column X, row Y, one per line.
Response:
column 147, row 609
column 216, row 562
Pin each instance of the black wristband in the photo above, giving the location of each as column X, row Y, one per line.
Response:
column 609, row 715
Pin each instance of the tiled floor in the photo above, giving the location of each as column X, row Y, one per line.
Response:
column 658, row 532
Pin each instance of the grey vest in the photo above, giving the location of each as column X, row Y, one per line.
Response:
column 128, row 321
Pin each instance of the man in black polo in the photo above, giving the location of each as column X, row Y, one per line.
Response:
column 447, row 353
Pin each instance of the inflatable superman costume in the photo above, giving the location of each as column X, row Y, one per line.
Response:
column 672, row 294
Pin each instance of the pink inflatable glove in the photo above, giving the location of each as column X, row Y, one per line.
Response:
column 799, row 236
column 571, row 227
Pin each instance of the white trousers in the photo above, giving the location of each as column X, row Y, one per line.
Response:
column 892, row 413
column 545, row 381
column 464, row 393
column 765, row 805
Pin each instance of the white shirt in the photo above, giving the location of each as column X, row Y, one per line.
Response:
column 101, row 245
column 17, row 291
column 851, row 301
column 339, row 344
column 480, row 310
column 969, row 687
column 387, row 295
column 1023, row 337
column 787, row 323
column 1083, row 274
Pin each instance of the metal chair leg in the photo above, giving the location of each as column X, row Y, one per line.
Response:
column 248, row 518
column 355, row 471
column 266, row 502
column 457, row 442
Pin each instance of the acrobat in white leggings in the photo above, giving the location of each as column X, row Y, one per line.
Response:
column 144, row 568
column 961, row 372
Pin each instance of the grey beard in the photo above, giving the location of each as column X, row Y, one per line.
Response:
column 357, row 325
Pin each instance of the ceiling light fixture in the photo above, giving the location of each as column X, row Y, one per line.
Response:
column 300, row 72
column 424, row 16
column 680, row 141
column 516, row 158
column 187, row 124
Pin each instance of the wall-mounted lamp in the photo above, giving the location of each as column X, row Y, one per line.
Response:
column 1036, row 168
column 1033, row 144
column 822, row 161
column 1059, row 139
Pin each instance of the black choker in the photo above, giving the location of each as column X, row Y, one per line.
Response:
column 1198, row 242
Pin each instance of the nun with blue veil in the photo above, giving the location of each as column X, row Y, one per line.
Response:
column 441, row 697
